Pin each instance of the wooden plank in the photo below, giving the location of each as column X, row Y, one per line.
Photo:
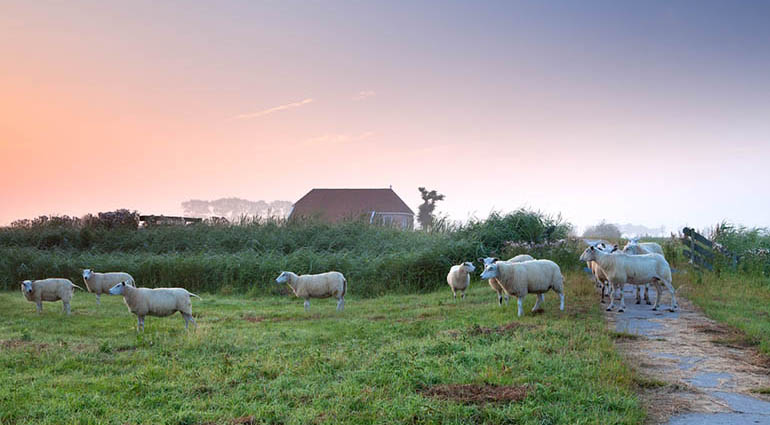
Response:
column 701, row 239
column 697, row 259
column 704, row 252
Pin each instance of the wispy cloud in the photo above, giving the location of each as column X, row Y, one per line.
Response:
column 274, row 109
column 364, row 94
column 338, row 139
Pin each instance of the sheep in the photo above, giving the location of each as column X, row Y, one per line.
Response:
column 159, row 302
column 634, row 247
column 100, row 283
column 459, row 278
column 53, row 289
column 598, row 275
column 623, row 268
column 520, row 279
column 323, row 285
column 493, row 283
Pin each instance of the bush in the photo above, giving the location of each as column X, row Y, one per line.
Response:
column 246, row 257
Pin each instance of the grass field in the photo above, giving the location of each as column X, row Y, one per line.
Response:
column 265, row 357
column 739, row 300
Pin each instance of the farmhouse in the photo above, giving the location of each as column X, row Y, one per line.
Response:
column 374, row 205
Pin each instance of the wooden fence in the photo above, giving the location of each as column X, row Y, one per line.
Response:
column 702, row 251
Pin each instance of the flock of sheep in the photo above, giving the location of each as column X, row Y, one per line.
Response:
column 638, row 264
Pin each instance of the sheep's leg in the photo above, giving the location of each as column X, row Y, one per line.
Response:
column 39, row 306
column 612, row 297
column 307, row 304
column 499, row 298
column 638, row 294
column 66, row 307
column 187, row 319
column 647, row 293
column 622, row 307
column 670, row 288
column 341, row 304
column 506, row 299
column 462, row 294
column 561, row 300
column 98, row 299
column 538, row 302
column 657, row 298
column 520, row 303
column 140, row 323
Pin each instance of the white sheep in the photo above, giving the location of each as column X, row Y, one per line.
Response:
column 598, row 275
column 323, row 285
column 520, row 279
column 493, row 283
column 159, row 302
column 634, row 247
column 53, row 289
column 623, row 268
column 101, row 283
column 459, row 278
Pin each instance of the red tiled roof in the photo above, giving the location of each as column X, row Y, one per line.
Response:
column 337, row 204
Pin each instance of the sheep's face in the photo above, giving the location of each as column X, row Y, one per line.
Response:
column 589, row 254
column 282, row 278
column 468, row 266
column 26, row 286
column 490, row 271
column 87, row 274
column 488, row 260
column 118, row 289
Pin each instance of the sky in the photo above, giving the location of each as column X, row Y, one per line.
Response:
column 653, row 113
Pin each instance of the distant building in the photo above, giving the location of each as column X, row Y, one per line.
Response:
column 380, row 206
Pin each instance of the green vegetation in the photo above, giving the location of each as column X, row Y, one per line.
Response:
column 265, row 357
column 249, row 256
column 739, row 300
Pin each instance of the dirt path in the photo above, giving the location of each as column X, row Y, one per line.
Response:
column 691, row 373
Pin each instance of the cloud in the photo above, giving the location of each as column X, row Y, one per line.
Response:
column 274, row 109
column 364, row 94
column 338, row 139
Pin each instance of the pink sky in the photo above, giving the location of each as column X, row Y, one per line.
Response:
column 649, row 114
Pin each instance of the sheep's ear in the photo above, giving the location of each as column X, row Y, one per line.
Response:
column 480, row 260
column 495, row 259
column 592, row 248
column 615, row 248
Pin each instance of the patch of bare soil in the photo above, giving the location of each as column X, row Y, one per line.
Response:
column 690, row 358
column 18, row 343
column 477, row 394
column 477, row 330
column 253, row 319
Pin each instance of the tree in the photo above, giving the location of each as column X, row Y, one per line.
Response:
column 425, row 215
column 602, row 230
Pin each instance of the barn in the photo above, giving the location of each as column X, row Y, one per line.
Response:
column 380, row 206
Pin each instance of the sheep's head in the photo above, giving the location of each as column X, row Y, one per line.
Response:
column 87, row 274
column 118, row 289
column 283, row 278
column 26, row 287
column 633, row 248
column 491, row 271
column 487, row 260
column 589, row 254
column 468, row 267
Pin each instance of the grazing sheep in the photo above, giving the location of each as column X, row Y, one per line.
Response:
column 520, row 279
column 623, row 268
column 493, row 283
column 159, row 302
column 324, row 285
column 100, row 283
column 634, row 247
column 54, row 289
column 459, row 278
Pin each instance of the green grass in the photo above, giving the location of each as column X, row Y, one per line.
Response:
column 739, row 300
column 266, row 357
